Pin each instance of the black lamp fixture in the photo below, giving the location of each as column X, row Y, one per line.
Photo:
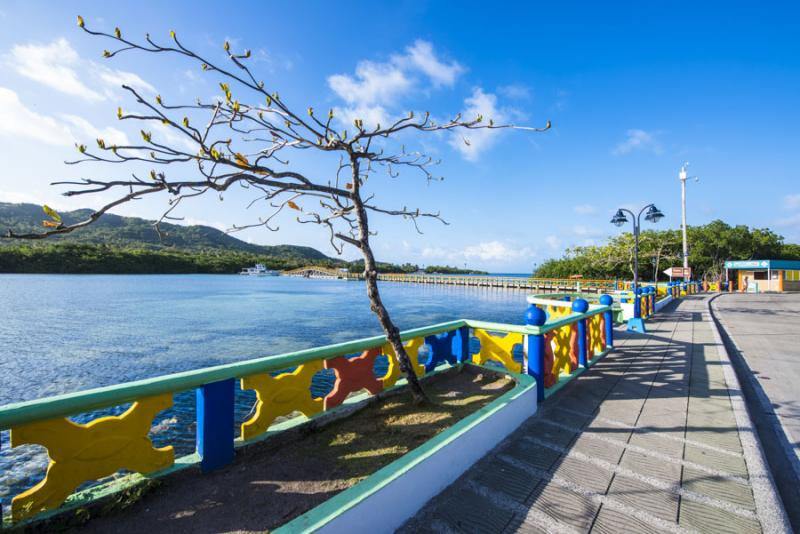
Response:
column 619, row 218
column 653, row 214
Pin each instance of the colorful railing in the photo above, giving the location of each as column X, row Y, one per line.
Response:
column 573, row 335
column 553, row 349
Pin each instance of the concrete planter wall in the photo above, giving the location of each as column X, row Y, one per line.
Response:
column 389, row 497
column 663, row 302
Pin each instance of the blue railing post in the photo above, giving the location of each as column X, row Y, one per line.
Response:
column 215, row 424
column 580, row 306
column 607, row 300
column 636, row 324
column 652, row 300
column 535, row 316
column 461, row 345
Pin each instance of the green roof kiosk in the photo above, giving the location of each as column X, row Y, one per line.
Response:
column 757, row 276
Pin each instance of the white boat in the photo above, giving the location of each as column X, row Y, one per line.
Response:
column 259, row 270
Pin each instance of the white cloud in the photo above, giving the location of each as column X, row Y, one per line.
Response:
column 18, row 198
column 86, row 131
column 584, row 209
column 586, row 231
column 640, row 140
column 117, row 78
column 792, row 220
column 57, row 66
column 377, row 87
column 515, row 91
column 553, row 242
column 371, row 115
column 493, row 252
column 496, row 251
column 16, row 120
column 51, row 65
column 471, row 143
column 373, row 83
column 422, row 57
column 792, row 201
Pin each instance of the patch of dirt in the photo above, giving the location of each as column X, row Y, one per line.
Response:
column 273, row 482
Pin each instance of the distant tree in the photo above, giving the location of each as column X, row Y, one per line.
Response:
column 243, row 140
column 659, row 246
column 709, row 246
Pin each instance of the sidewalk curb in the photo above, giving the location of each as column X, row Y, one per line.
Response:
column 769, row 506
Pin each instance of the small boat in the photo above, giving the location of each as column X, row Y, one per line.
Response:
column 259, row 270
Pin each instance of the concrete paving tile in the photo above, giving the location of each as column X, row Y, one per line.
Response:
column 501, row 477
column 564, row 506
column 470, row 513
column 610, row 521
column 707, row 519
column 651, row 467
column 734, row 465
column 640, row 495
column 598, row 449
column 584, row 474
column 718, row 488
column 533, row 455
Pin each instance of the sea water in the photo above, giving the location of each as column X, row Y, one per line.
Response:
column 67, row 333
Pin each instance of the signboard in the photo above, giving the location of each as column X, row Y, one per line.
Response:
column 744, row 264
column 679, row 272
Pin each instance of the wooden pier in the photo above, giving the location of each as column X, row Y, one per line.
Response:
column 501, row 282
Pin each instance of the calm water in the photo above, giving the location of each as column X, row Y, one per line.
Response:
column 62, row 333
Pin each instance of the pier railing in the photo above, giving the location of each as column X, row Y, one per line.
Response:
column 505, row 282
column 553, row 349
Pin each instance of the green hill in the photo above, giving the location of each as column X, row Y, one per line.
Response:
column 135, row 233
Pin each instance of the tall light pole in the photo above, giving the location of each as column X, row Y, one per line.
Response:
column 683, row 176
column 653, row 215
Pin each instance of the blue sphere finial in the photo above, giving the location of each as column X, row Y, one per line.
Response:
column 535, row 316
column 580, row 305
column 606, row 300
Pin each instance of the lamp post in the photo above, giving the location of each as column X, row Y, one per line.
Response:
column 653, row 215
column 683, row 176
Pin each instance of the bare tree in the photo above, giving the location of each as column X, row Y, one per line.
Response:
column 239, row 143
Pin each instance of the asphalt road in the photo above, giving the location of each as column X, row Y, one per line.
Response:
column 765, row 329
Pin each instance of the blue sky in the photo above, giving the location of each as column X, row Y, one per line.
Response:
column 633, row 90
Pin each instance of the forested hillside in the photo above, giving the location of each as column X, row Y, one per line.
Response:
column 133, row 232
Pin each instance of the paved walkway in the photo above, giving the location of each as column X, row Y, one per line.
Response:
column 647, row 441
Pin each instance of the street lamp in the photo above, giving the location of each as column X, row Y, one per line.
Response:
column 683, row 176
column 653, row 215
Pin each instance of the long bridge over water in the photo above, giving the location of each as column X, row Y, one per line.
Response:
column 503, row 282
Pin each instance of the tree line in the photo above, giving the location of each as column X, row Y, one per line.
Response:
column 89, row 258
column 709, row 246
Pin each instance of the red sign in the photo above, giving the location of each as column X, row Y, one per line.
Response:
column 679, row 272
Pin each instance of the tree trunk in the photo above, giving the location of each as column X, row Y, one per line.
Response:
column 376, row 305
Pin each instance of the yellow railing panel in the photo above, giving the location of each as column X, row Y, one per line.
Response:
column 564, row 347
column 393, row 373
column 79, row 453
column 498, row 349
column 281, row 395
column 596, row 326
